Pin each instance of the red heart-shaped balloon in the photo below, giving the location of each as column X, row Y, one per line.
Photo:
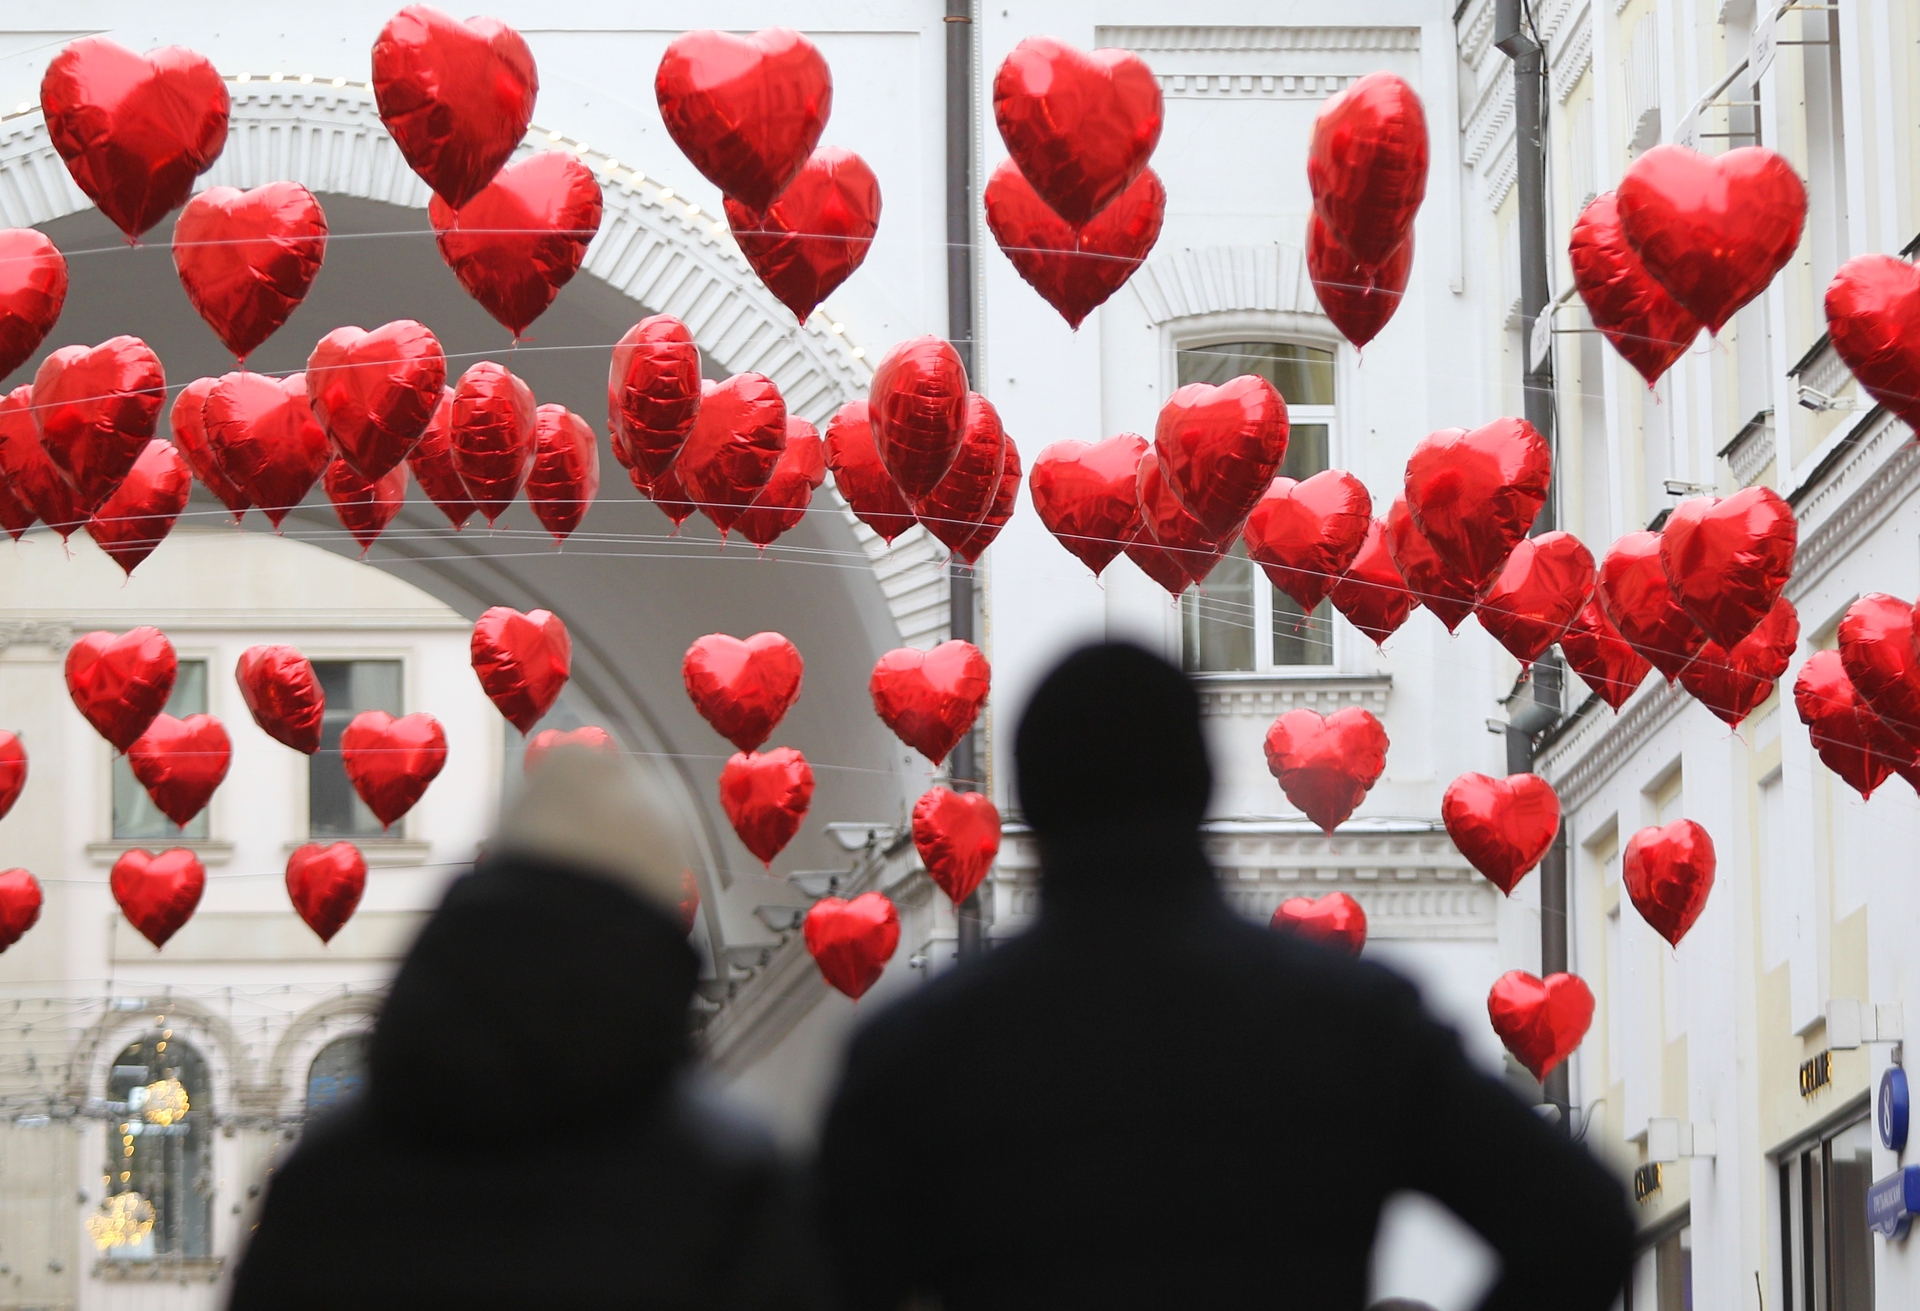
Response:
column 456, row 96
column 20, row 901
column 30, row 475
column 1079, row 126
column 1712, row 229
column 1604, row 660
column 1358, row 297
column 1177, row 534
column 283, row 695
column 141, row 512
column 1727, row 560
column 1327, row 764
column 747, row 110
column 1541, row 1021
column 365, row 508
column 1877, row 651
column 16, row 516
column 917, row 404
column 247, row 258
column 1372, row 594
column 1633, row 592
column 189, row 423
column 1157, row 564
column 33, row 289
column 391, row 761
column 263, row 432
column 13, row 770
column 1536, row 595
column 1503, row 826
column 1851, row 739
column 1873, row 319
column 653, row 393
column 180, row 762
column 1648, row 327
column 522, row 660
column 431, row 460
column 735, row 445
column 96, row 408
column 852, row 941
column 134, row 130
column 957, row 835
column 1668, row 873
column 521, row 239
column 120, row 681
column 491, row 436
column 668, row 493
column 743, row 689
column 1306, row 534
column 999, row 510
column 158, row 893
column 1219, row 447
column 1732, row 683
column 958, row 505
column 766, row 796
column 1367, row 165
column 1475, row 494
column 325, row 884
column 783, row 502
column 931, row 698
column 566, row 469
column 376, row 392
column 1088, row 495
column 815, row 234
column 1335, row 919
column 1431, row 581
column 1075, row 270
column 870, row 491
column 590, row 736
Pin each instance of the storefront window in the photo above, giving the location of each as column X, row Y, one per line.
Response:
column 159, row 1147
column 1827, row 1246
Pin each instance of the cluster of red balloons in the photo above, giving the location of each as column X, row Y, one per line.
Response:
column 1861, row 703
column 1367, row 169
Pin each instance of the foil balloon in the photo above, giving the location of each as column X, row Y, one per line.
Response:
column 364, row 508
column 1634, row 595
column 13, row 770
column 16, row 515
column 491, row 436
column 859, row 475
column 1371, row 593
column 1877, row 652
column 1075, row 270
column 1605, row 661
column 931, row 698
column 522, row 238
column 96, row 408
column 1503, row 826
column 1327, row 764
column 1545, row 583
column 1647, row 326
column 457, row 98
column 589, row 736
column 1335, row 919
column 735, row 445
column 957, row 835
column 1305, row 534
column 1727, row 559
column 1079, row 126
column 959, row 503
column 1169, row 527
column 1733, row 683
column 1157, row 564
column 743, row 688
column 653, row 393
column 1088, row 495
column 264, row 434
column 783, row 502
column 1852, row 741
column 668, row 494
column 159, row 893
column 1367, row 165
column 180, row 762
column 1475, row 494
column 247, row 258
column 1712, row 229
column 375, row 392
column 391, row 761
column 747, row 110
column 325, row 885
column 1359, row 298
column 522, row 661
column 815, row 233
column 33, row 289
column 142, row 510
column 1429, row 579
column 566, row 469
column 120, row 682
column 1668, row 873
column 431, row 461
column 283, row 695
column 1219, row 447
column 20, row 901
column 1541, row 1021
column 917, row 404
column 134, row 130
column 1873, row 320
column 852, row 941
column 188, row 420
column 30, row 475
column 766, row 797
column 999, row 510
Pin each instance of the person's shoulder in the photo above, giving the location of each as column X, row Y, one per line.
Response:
column 963, row 994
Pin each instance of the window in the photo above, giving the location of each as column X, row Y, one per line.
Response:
column 334, row 809
column 1643, row 86
column 1238, row 621
column 1826, row 1245
column 159, row 1151
column 134, row 814
column 338, row 1072
column 1826, row 143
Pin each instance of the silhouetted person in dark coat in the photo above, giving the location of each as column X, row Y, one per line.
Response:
column 529, row 1136
column 1146, row 1102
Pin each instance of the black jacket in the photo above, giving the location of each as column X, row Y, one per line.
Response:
column 1146, row 1102
column 529, row 1135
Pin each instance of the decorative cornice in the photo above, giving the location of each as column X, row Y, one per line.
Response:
column 1217, row 279
column 1581, row 762
column 56, row 635
column 1571, row 56
column 1217, row 86
column 1752, row 449
column 1158, row 40
column 1265, row 698
column 1855, row 499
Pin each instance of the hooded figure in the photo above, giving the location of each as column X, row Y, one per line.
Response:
column 529, row 1135
column 1161, row 1105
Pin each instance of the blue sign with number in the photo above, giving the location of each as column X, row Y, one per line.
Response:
column 1892, row 1110
column 1892, row 1202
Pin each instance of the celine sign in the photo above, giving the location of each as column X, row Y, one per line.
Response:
column 1816, row 1074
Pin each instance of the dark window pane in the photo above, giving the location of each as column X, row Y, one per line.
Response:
column 1849, row 1240
column 1303, row 374
column 170, row 1165
column 334, row 810
column 1306, row 452
column 134, row 814
column 1216, row 618
column 338, row 1072
column 1300, row 638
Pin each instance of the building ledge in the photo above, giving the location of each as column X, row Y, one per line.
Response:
column 1266, row 695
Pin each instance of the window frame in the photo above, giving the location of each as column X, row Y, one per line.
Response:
column 402, row 830
column 109, row 759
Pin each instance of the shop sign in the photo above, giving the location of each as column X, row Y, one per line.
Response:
column 1646, row 1181
column 1816, row 1074
column 1892, row 1202
column 1891, row 1110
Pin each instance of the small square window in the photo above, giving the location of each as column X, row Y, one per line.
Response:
column 134, row 814
column 334, row 809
